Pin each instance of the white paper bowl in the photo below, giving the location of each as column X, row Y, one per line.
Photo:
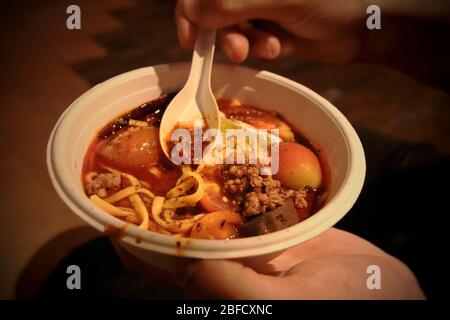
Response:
column 316, row 118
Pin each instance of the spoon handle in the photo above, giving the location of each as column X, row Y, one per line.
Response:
column 200, row 74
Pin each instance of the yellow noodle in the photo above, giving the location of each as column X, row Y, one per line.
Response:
column 112, row 210
column 132, row 219
column 144, row 184
column 127, row 192
column 201, row 166
column 185, row 175
column 186, row 169
column 163, row 210
column 168, row 215
column 140, row 208
column 187, row 200
column 181, row 188
column 157, row 206
column 135, row 199
column 128, row 210
column 180, row 225
column 175, row 226
column 182, row 228
column 155, row 171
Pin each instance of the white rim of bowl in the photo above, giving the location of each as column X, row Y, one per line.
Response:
column 325, row 218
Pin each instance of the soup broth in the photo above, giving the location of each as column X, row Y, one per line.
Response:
column 127, row 175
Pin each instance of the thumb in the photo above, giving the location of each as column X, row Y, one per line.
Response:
column 224, row 279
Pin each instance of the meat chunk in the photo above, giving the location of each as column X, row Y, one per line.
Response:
column 103, row 184
column 257, row 194
column 277, row 219
column 257, row 202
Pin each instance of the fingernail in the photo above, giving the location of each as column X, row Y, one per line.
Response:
column 273, row 48
column 236, row 53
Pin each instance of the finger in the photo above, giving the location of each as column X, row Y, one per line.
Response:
column 264, row 45
column 186, row 30
column 287, row 40
column 330, row 242
column 345, row 277
column 234, row 44
column 288, row 46
column 223, row 279
column 225, row 13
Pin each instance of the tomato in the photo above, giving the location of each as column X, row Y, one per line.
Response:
column 215, row 199
column 299, row 167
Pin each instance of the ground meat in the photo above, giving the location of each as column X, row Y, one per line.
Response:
column 237, row 185
column 263, row 199
column 103, row 184
column 253, row 204
column 299, row 198
column 257, row 194
column 238, row 178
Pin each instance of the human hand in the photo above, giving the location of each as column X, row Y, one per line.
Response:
column 315, row 29
column 331, row 266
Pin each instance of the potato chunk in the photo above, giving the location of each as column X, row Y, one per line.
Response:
column 217, row 225
column 136, row 147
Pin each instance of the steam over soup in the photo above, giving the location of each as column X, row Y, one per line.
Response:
column 126, row 174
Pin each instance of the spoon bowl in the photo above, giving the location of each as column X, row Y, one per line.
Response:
column 196, row 100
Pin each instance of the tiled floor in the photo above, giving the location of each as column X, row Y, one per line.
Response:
column 44, row 67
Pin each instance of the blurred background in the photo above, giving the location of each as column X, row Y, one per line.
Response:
column 44, row 67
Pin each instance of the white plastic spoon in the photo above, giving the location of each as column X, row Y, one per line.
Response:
column 196, row 100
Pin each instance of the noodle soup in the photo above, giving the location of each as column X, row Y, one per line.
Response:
column 126, row 174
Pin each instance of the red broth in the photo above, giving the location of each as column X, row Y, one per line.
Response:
column 160, row 184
